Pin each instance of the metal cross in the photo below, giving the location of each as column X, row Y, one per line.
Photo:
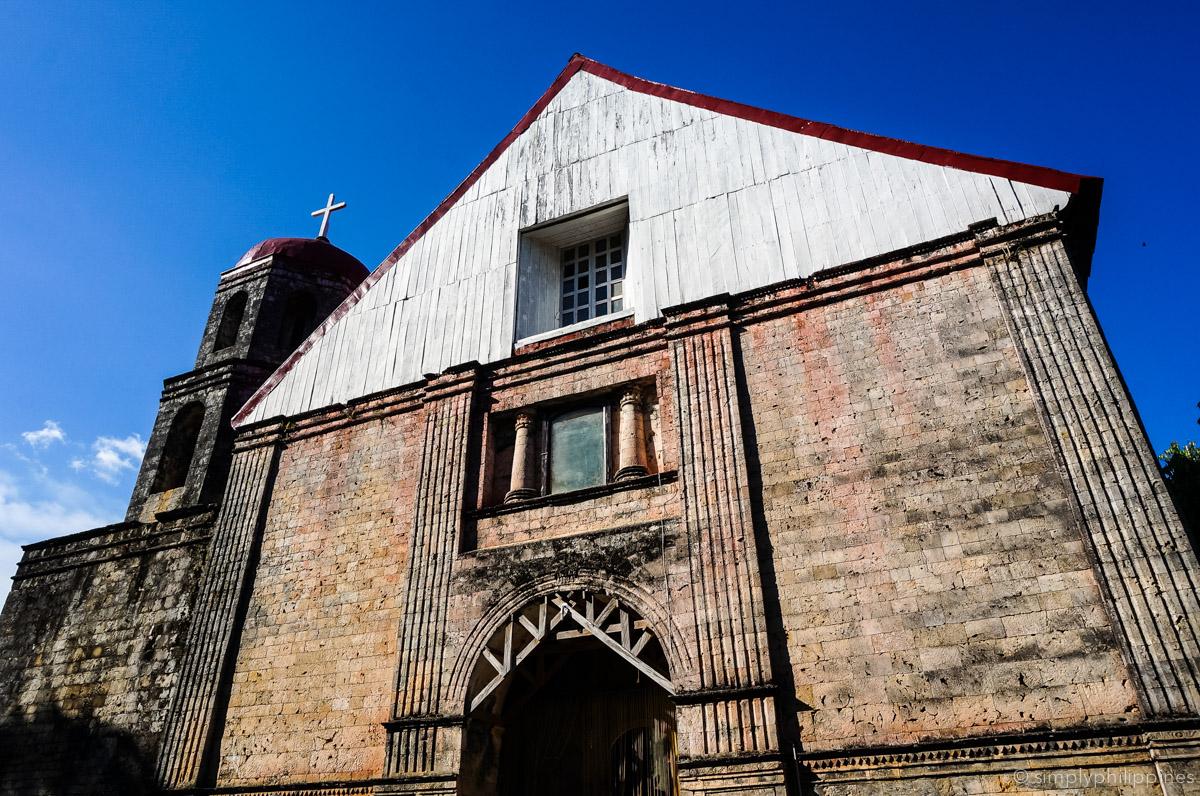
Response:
column 324, row 212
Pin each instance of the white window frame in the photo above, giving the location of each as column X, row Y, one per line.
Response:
column 540, row 280
column 587, row 269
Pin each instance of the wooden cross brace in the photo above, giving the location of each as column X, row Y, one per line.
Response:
column 590, row 623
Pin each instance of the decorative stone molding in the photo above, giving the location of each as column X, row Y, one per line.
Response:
column 1161, row 761
column 953, row 755
column 1141, row 555
column 424, row 748
column 730, row 630
column 303, row 790
column 728, row 777
column 193, row 730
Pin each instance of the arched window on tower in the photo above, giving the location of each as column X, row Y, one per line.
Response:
column 231, row 321
column 177, row 453
column 299, row 319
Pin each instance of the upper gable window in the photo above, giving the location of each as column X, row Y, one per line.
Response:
column 573, row 272
column 593, row 279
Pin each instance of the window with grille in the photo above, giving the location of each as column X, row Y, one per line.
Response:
column 593, row 279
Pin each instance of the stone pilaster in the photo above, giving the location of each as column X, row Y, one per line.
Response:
column 195, row 720
column 423, row 742
column 732, row 712
column 1142, row 557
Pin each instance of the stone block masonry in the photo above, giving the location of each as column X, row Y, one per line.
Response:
column 868, row 542
column 91, row 643
column 1142, row 556
column 901, row 534
column 932, row 580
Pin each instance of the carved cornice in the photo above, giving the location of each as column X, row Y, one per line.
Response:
column 1009, row 754
column 705, row 315
column 220, row 374
column 725, row 694
column 451, row 382
column 1004, row 242
column 263, row 434
column 362, row 788
column 425, row 720
column 115, row 542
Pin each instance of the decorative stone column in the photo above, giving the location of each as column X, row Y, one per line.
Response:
column 523, row 486
column 190, row 748
column 728, row 739
column 632, row 451
column 1145, row 565
column 424, row 733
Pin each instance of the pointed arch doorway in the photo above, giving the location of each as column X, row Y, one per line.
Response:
column 571, row 695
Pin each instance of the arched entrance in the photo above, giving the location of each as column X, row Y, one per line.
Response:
column 571, row 695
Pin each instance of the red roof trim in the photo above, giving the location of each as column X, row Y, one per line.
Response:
column 574, row 65
column 1020, row 172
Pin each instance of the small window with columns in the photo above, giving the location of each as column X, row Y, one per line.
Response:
column 570, row 446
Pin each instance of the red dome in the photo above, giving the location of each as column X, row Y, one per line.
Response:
column 315, row 252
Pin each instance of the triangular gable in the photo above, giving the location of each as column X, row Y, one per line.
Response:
column 394, row 327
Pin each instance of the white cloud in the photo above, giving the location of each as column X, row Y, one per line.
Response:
column 45, row 436
column 65, row 509
column 61, row 508
column 111, row 457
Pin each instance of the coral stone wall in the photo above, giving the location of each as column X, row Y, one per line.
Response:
column 854, row 468
column 90, row 641
column 932, row 581
column 314, row 674
column 651, row 503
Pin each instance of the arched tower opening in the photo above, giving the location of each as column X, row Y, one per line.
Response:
column 231, row 321
column 299, row 319
column 571, row 694
column 180, row 447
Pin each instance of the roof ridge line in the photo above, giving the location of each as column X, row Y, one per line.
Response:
column 1006, row 169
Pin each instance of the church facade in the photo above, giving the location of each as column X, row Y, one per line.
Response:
column 686, row 448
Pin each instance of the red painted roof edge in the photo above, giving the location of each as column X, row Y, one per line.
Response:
column 1020, row 172
column 574, row 65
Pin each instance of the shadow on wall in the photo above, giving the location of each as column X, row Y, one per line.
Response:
column 54, row 755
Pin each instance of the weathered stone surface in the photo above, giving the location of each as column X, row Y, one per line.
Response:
column 932, row 580
column 857, row 545
column 90, row 644
column 899, row 533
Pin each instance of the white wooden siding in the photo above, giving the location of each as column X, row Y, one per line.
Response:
column 716, row 204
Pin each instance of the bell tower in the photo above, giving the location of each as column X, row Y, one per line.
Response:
column 264, row 307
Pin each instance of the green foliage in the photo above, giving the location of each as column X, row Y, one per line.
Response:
column 1181, row 469
column 1177, row 458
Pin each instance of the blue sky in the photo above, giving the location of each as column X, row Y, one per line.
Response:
column 144, row 147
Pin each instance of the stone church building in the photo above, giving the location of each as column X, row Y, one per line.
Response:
column 685, row 448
